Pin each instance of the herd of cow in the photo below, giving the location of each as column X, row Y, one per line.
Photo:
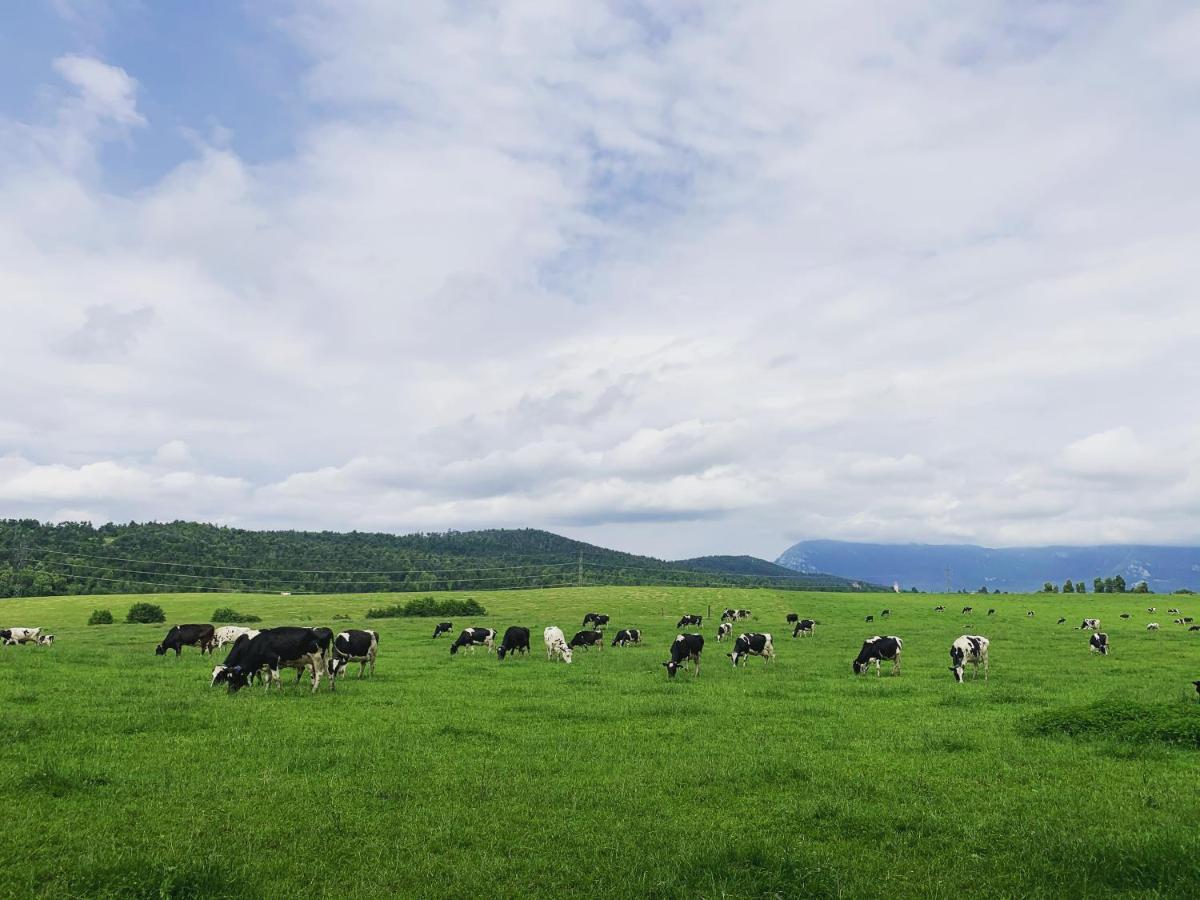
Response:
column 262, row 654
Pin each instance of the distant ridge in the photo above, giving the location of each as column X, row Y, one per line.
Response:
column 925, row 566
column 753, row 566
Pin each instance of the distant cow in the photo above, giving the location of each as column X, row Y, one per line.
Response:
column 1099, row 643
column 885, row 613
column 587, row 639
column 752, row 643
column 685, row 647
column 879, row 648
column 1060, row 621
column 1124, row 615
column 869, row 619
column 1194, row 628
column 1089, row 625
column 724, row 630
column 1172, row 610
column 690, row 620
column 354, row 645
column 180, row 636
column 516, row 640
column 992, row 612
column 228, row 634
column 1179, row 621
column 743, row 614
column 14, row 636
column 272, row 649
column 442, row 628
column 1029, row 615
column 939, row 609
column 556, row 644
column 967, row 609
column 970, row 648
column 729, row 614
column 627, row 636
column 792, row 618
column 804, row 628
column 474, row 637
column 1187, row 620
column 596, row 620
column 1153, row 626
column 1151, row 609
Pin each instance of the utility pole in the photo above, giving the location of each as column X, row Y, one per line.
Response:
column 580, row 581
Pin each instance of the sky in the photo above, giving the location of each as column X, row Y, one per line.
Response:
column 676, row 278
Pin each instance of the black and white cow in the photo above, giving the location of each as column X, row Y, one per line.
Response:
column 968, row 609
column 272, row 649
column 1152, row 626
column 515, row 640
column 235, row 657
column 752, row 643
column 1172, row 610
column 14, row 636
column 793, row 618
column 1194, row 628
column 1098, row 643
column 879, row 648
column 46, row 640
column 180, row 636
column 724, row 630
column 804, row 628
column 885, row 614
column 939, row 609
column 1029, row 615
column 587, row 639
column 970, row 648
column 743, row 614
column 627, row 636
column 1060, row 621
column 992, row 611
column 442, row 628
column 690, row 620
column 475, row 637
column 1151, row 609
column 556, row 644
column 685, row 647
column 354, row 645
column 729, row 615
column 1089, row 625
column 596, row 620
column 869, row 619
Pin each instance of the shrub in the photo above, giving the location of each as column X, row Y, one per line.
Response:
column 100, row 617
column 145, row 613
column 225, row 614
column 429, row 607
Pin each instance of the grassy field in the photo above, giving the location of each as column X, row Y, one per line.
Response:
column 1068, row 774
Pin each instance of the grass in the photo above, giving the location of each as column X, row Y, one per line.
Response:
column 1067, row 774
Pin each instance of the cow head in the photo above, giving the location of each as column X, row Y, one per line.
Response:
column 160, row 650
column 956, row 663
column 672, row 668
column 860, row 666
column 335, row 666
column 218, row 676
column 500, row 651
column 236, row 677
column 453, row 649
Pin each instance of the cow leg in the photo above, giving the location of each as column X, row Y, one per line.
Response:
column 896, row 664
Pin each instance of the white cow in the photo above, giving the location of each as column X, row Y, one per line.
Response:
column 970, row 648
column 14, row 636
column 556, row 644
column 1090, row 625
column 228, row 634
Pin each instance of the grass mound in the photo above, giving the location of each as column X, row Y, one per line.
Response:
column 1176, row 724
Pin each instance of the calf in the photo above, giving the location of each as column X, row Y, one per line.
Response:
column 724, row 630
column 752, row 643
column 1089, row 625
column 587, row 639
column 228, row 634
column 627, row 636
column 879, row 648
column 690, row 620
column 13, row 636
column 596, row 620
column 685, row 647
column 804, row 628
column 288, row 647
column 475, row 637
column 792, row 618
column 556, row 644
column 442, row 628
column 46, row 640
column 1153, row 626
column 516, row 640
column 1098, row 643
column 970, row 648
column 189, row 635
column 354, row 645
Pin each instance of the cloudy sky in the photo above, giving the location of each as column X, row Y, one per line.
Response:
column 677, row 277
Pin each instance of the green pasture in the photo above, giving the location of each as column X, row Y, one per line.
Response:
column 1068, row 774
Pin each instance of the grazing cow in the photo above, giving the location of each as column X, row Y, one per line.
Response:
column 228, row 634
column 992, row 611
column 1187, row 620
column 1029, row 615
column 627, row 636
column 1124, row 615
column 46, row 640
column 885, row 613
column 1153, row 626
column 442, row 628
column 516, row 640
column 235, row 657
column 729, row 614
column 597, row 621
column 724, row 630
column 970, row 648
column 288, row 647
column 690, row 620
column 1151, row 609
column 1089, row 625
column 879, row 648
column 685, row 647
column 804, row 628
column 792, row 618
column 13, row 636
column 1060, row 621
column 752, row 643
column 475, row 637
column 869, row 619
column 1194, row 628
column 1172, row 610
column 743, row 614
column 189, row 635
column 939, row 609
column 587, row 639
column 967, row 609
column 355, row 645
column 556, row 644
column 1098, row 643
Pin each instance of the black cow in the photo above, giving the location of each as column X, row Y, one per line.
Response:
column 885, row 613
column 869, row 619
column 595, row 619
column 991, row 612
column 354, row 645
column 587, row 639
column 1124, row 615
column 1060, row 621
column 272, row 649
column 752, row 643
column 442, row 628
column 627, row 636
column 235, row 657
column 474, row 637
column 967, row 609
column 792, row 618
column 1194, row 628
column 190, row 635
column 1098, row 643
column 516, row 640
column 1196, row 685
column 685, row 647
column 690, row 620
column 879, row 648
column 804, row 626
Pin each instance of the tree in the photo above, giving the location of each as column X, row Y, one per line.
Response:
column 1080, row 587
column 982, row 590
column 1049, row 588
column 1109, row 586
column 1068, row 587
column 1141, row 588
column 1098, row 585
column 1118, row 585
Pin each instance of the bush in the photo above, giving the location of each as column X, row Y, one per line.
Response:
column 428, row 607
column 225, row 614
column 145, row 613
column 100, row 617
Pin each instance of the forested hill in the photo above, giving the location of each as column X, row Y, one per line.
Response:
column 77, row 558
